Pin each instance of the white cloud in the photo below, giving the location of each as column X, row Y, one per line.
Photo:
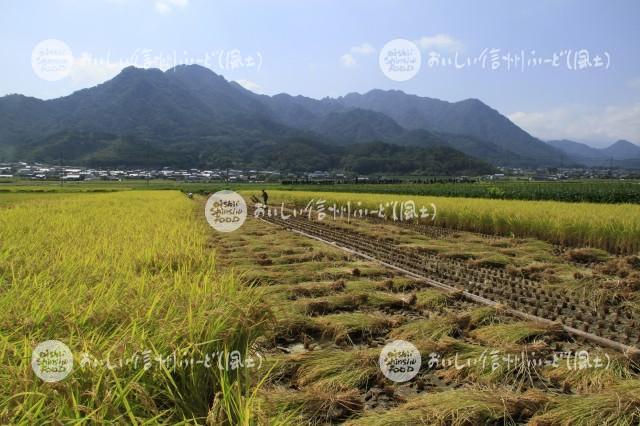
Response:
column 347, row 60
column 597, row 125
column 165, row 7
column 363, row 49
column 441, row 42
column 250, row 85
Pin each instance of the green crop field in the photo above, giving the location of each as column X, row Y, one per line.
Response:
column 581, row 191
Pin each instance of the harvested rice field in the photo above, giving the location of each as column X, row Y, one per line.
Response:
column 334, row 311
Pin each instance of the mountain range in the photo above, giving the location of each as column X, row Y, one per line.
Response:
column 621, row 153
column 189, row 115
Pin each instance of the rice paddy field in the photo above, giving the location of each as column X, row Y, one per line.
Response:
column 115, row 275
column 612, row 227
column 154, row 304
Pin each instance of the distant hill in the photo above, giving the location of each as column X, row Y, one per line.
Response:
column 189, row 113
column 619, row 154
column 469, row 117
column 577, row 149
column 622, row 150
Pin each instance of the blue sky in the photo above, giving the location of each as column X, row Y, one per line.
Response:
column 331, row 48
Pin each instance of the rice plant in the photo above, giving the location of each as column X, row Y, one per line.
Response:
column 611, row 227
column 120, row 276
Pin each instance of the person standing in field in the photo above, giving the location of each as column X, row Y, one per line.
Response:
column 265, row 197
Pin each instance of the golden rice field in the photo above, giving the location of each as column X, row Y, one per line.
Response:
column 114, row 275
column 613, row 227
